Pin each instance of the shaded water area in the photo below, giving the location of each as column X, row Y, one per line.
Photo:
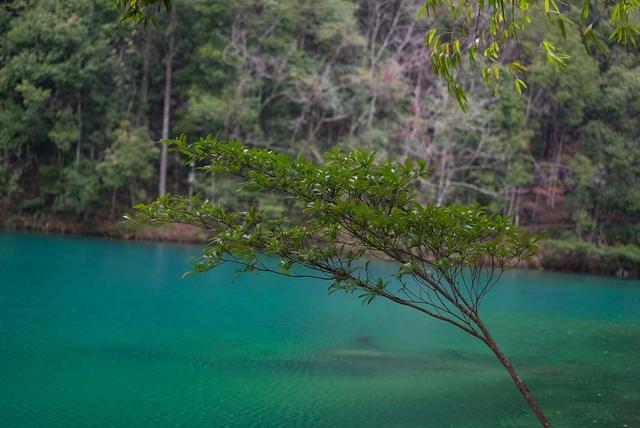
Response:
column 106, row 334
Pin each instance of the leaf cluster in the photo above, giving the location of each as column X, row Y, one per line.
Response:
column 492, row 28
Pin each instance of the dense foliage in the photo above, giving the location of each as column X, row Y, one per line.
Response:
column 582, row 256
column 81, row 97
column 488, row 29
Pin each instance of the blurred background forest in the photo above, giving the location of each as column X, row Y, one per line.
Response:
column 84, row 100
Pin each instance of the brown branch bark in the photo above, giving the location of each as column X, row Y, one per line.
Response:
column 531, row 401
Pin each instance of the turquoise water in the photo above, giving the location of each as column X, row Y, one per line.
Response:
column 106, row 334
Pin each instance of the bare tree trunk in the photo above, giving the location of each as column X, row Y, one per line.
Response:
column 144, row 84
column 191, row 178
column 555, row 174
column 533, row 404
column 442, row 176
column 79, row 113
column 517, row 208
column 162, row 187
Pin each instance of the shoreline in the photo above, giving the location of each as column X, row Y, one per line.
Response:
column 177, row 233
column 553, row 255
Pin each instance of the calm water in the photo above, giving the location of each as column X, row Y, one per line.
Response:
column 106, row 334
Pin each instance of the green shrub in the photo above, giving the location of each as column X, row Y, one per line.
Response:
column 583, row 256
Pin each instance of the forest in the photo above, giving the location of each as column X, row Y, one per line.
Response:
column 85, row 99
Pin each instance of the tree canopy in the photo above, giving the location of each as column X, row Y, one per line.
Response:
column 490, row 29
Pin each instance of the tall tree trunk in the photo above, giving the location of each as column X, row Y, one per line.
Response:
column 516, row 218
column 144, row 83
column 442, row 176
column 533, row 404
column 79, row 113
column 191, row 178
column 162, row 186
column 555, row 175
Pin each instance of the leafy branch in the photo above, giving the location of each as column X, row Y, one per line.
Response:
column 351, row 209
column 491, row 26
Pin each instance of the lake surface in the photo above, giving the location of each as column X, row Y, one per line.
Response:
column 107, row 334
